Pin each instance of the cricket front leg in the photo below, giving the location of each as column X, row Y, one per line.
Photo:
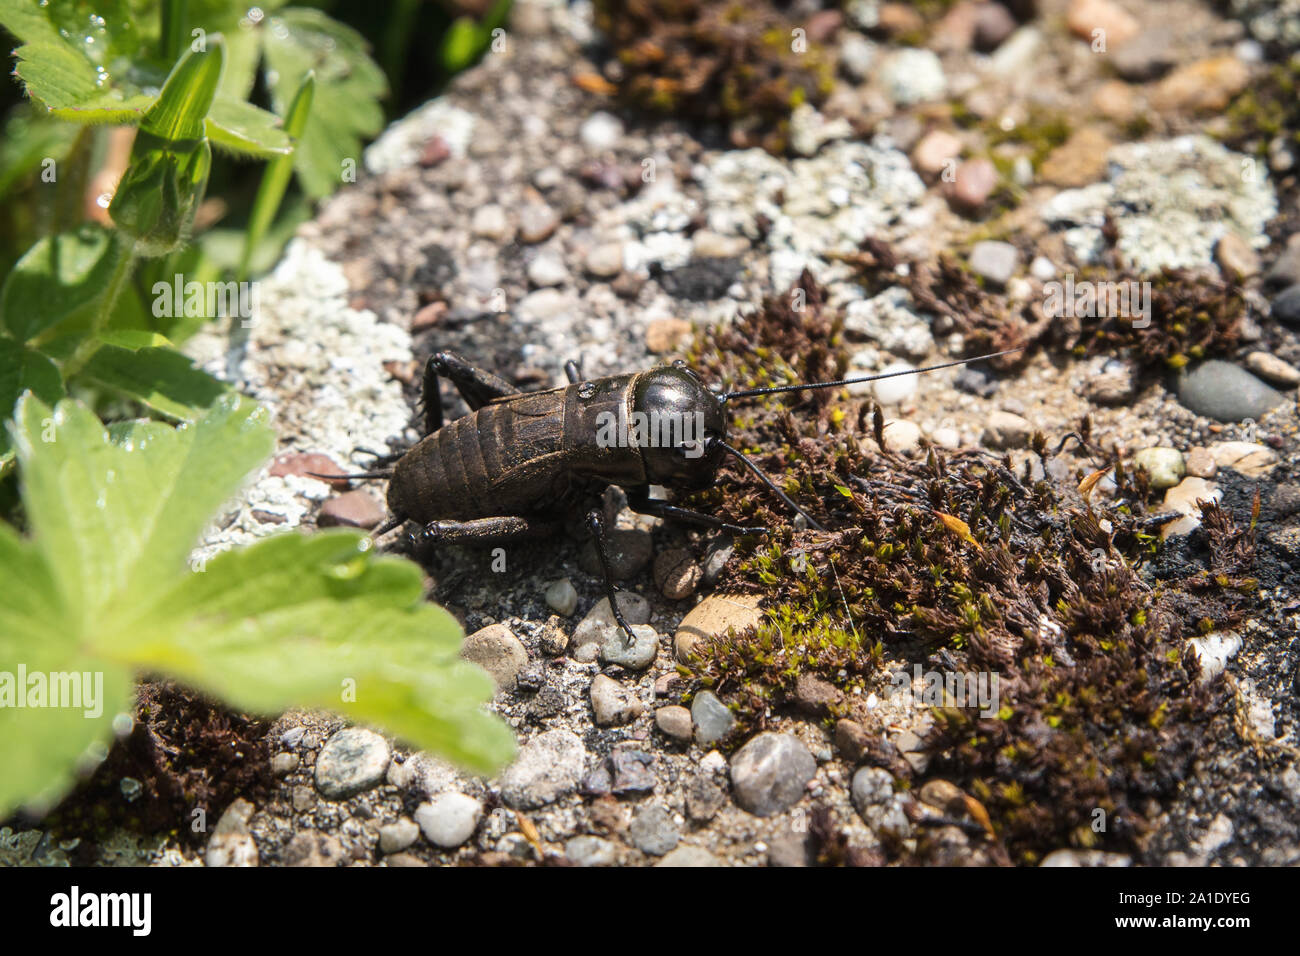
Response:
column 596, row 522
column 639, row 500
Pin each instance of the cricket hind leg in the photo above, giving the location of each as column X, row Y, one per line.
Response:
column 596, row 523
column 480, row 531
column 476, row 386
column 573, row 371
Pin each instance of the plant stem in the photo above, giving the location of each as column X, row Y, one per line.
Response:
column 116, row 283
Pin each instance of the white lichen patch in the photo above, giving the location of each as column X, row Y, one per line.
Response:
column 825, row 204
column 318, row 367
column 1171, row 200
column 401, row 144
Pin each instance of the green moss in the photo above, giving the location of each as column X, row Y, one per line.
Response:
column 961, row 556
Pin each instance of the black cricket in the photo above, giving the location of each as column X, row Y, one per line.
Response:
column 520, row 461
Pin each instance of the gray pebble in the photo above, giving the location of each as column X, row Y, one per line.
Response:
column 548, row 767
column 351, row 761
column 1286, row 306
column 770, row 772
column 995, row 261
column 654, row 831
column 712, row 719
column 1225, row 392
column 548, row 269
column 587, row 850
column 641, row 654
column 599, row 620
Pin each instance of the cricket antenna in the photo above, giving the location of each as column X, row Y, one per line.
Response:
column 812, row 522
column 356, row 475
column 776, row 390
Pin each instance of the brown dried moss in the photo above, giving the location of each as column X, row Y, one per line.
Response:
column 716, row 60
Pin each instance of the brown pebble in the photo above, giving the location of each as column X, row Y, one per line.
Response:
column 664, row 335
column 850, row 739
column 353, row 509
column 1199, row 463
column 974, row 183
column 428, row 316
column 676, row 574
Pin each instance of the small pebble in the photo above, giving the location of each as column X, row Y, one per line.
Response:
column 712, row 718
column 995, row 261
column 1226, row 392
column 537, row 222
column 496, row 649
column 1164, row 466
column 562, row 597
column 637, row 656
column 449, row 819
column 675, row 721
column 612, row 703
column 1005, row 430
column 769, row 774
column 395, row 837
column 601, row 131
column 353, row 760
column 653, row 830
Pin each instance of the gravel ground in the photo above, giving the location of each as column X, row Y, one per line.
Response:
column 521, row 222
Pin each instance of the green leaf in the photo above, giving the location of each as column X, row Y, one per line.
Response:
column 22, row 369
column 160, row 377
column 244, row 128
column 90, row 498
column 58, row 276
column 290, row 621
column 463, row 41
column 275, row 179
column 178, row 114
column 74, row 62
column 349, row 86
column 44, row 747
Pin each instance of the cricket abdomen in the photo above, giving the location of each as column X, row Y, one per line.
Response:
column 503, row 459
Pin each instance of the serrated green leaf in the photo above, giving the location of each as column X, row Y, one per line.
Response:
column 57, row 277
column 22, row 369
column 295, row 621
column 160, row 377
column 70, row 58
column 91, row 498
column 290, row 621
column 349, row 86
